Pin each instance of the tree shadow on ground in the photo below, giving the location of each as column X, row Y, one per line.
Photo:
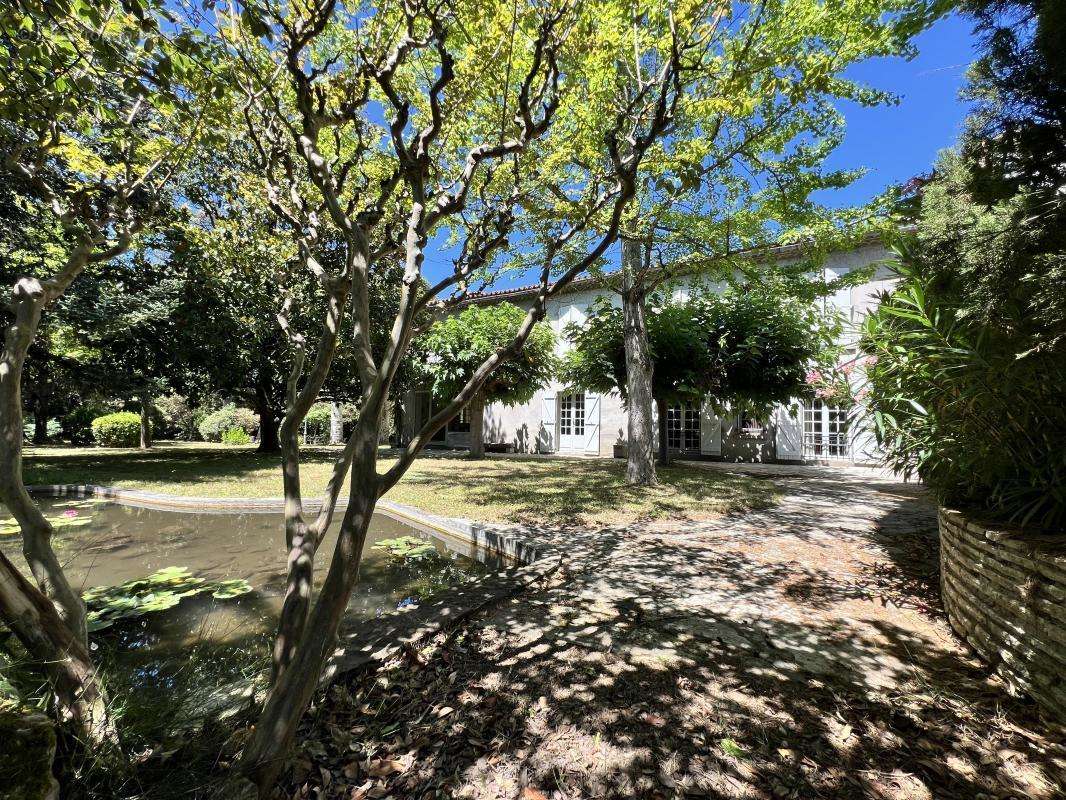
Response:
column 572, row 492
column 791, row 654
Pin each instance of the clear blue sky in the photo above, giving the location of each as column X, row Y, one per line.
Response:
column 893, row 143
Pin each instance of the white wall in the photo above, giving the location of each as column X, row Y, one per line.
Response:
column 523, row 426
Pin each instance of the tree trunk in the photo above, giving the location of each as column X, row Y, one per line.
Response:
column 640, row 463
column 268, row 431
column 40, row 423
column 146, row 423
column 27, row 303
column 49, row 621
column 79, row 697
column 295, row 684
column 476, row 412
column 336, row 423
column 398, row 423
column 664, row 449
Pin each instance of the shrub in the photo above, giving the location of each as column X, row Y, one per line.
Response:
column 316, row 423
column 960, row 402
column 77, row 426
column 176, row 418
column 226, row 418
column 236, row 436
column 121, row 429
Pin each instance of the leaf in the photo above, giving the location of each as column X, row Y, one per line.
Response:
column 731, row 748
column 383, row 767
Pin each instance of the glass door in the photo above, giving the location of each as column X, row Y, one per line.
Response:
column 572, row 422
column 825, row 431
column 683, row 428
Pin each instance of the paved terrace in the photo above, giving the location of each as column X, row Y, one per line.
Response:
column 796, row 652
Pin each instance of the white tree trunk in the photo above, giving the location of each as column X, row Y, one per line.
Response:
column 336, row 423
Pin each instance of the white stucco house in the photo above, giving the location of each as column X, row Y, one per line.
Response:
column 564, row 421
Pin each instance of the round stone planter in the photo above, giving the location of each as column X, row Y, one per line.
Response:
column 1005, row 594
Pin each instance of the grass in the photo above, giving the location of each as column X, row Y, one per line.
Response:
column 514, row 489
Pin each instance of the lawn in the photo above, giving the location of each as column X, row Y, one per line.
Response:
column 515, row 489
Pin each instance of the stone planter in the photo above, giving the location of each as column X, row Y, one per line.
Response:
column 1005, row 594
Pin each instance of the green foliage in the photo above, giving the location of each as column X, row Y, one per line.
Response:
column 121, row 429
column 747, row 346
column 407, row 550
column 177, row 418
column 159, row 591
column 971, row 406
column 457, row 345
column 1000, row 265
column 236, row 436
column 229, row 417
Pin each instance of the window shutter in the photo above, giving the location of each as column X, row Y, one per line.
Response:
column 788, row 433
column 546, row 434
column 592, row 424
column 710, row 431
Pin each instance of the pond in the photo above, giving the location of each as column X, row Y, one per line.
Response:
column 215, row 635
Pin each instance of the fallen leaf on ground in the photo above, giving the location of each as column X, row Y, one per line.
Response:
column 383, row 767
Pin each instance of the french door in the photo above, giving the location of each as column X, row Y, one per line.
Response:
column 825, row 431
column 683, row 427
column 572, row 421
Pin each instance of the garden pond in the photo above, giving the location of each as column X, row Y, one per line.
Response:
column 180, row 602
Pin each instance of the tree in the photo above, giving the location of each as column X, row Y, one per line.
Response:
column 970, row 348
column 749, row 150
column 749, row 347
column 97, row 108
column 457, row 150
column 457, row 345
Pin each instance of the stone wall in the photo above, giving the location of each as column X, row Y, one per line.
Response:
column 1005, row 594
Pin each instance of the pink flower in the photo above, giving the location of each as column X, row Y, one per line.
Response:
column 813, row 377
column 70, row 512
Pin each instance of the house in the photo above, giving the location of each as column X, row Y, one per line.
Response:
column 561, row 420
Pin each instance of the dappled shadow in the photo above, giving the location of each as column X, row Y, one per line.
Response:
column 792, row 652
column 575, row 492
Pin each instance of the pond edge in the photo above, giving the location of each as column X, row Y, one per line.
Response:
column 475, row 535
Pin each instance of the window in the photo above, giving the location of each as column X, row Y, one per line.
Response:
column 749, row 425
column 460, row 423
column 825, row 431
column 683, row 427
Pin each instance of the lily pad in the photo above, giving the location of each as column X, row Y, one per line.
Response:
column 408, row 549
column 226, row 590
column 159, row 591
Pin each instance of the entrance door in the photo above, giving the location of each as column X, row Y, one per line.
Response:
column 572, row 422
column 683, row 428
column 825, row 431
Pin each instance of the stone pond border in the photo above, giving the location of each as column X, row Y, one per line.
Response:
column 369, row 641
column 475, row 536
column 1004, row 592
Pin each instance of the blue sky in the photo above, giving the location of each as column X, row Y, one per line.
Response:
column 894, row 142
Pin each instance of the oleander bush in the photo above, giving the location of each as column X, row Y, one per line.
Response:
column 121, row 429
column 971, row 406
